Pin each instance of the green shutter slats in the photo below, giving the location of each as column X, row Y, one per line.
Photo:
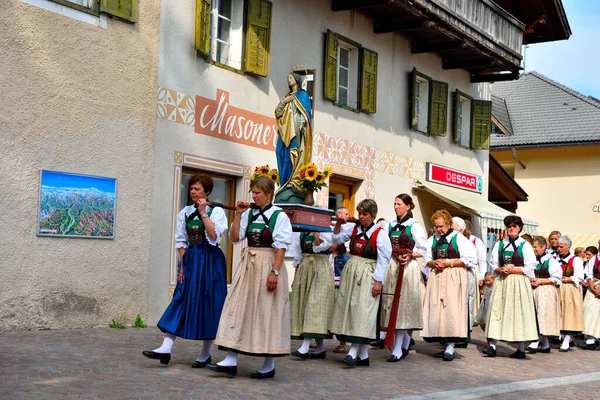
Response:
column 203, row 26
column 455, row 100
column 330, row 75
column 124, row 9
column 368, row 82
column 258, row 37
column 481, row 124
column 438, row 108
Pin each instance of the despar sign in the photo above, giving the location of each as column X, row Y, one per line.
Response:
column 219, row 119
column 451, row 177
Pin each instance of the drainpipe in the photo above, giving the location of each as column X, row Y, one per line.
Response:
column 514, row 154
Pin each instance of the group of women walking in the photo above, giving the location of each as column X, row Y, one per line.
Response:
column 256, row 317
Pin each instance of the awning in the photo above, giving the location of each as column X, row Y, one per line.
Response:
column 491, row 215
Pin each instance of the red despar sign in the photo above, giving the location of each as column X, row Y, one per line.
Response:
column 452, row 177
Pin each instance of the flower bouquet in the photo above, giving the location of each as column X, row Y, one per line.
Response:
column 266, row 171
column 313, row 180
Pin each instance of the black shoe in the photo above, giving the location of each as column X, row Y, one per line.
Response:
column 164, row 358
column 588, row 346
column 260, row 375
column 393, row 358
column 461, row 345
column 318, row 356
column 303, row 356
column 439, row 354
column 362, row 363
column 201, row 364
column 229, row 370
column 561, row 350
column 350, row 361
column 448, row 357
column 571, row 343
column 404, row 353
column 555, row 340
column 489, row 351
column 532, row 350
column 519, row 355
column 546, row 351
column 412, row 344
column 378, row 344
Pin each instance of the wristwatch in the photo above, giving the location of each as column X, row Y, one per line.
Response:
column 205, row 216
column 275, row 272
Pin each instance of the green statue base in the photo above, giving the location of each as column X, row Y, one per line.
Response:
column 289, row 195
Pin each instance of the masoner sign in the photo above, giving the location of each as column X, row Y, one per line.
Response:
column 451, row 177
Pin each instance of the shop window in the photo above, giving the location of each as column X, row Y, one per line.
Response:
column 124, row 9
column 429, row 105
column 350, row 78
column 223, row 192
column 341, row 194
column 235, row 34
column 472, row 121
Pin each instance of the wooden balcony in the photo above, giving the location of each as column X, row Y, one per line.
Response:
column 475, row 35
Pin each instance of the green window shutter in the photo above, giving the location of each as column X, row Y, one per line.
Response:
column 455, row 100
column 438, row 108
column 330, row 75
column 413, row 100
column 203, row 26
column 258, row 37
column 481, row 124
column 368, row 81
column 124, row 9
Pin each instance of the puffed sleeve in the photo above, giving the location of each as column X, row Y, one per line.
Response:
column 243, row 226
column 219, row 219
column 555, row 271
column 326, row 241
column 384, row 253
column 578, row 274
column 420, row 239
column 481, row 257
column 468, row 253
column 345, row 233
column 181, row 237
column 493, row 259
column 529, row 260
column 282, row 233
column 297, row 250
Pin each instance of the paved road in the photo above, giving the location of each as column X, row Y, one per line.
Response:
column 107, row 363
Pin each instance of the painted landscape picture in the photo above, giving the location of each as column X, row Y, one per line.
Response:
column 76, row 205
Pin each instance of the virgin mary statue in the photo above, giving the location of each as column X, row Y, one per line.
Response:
column 294, row 142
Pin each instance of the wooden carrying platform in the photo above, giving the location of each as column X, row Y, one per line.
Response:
column 308, row 218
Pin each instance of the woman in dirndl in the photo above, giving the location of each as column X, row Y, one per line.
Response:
column 408, row 244
column 591, row 304
column 313, row 292
column 571, row 293
column 354, row 317
column 546, row 295
column 446, row 313
column 511, row 314
column 256, row 315
column 198, row 298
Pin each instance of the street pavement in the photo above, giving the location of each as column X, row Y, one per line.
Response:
column 105, row 363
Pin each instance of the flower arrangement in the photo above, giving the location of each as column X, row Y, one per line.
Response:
column 265, row 170
column 312, row 178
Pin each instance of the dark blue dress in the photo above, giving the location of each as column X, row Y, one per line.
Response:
column 195, row 309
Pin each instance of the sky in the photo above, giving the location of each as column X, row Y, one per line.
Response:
column 575, row 62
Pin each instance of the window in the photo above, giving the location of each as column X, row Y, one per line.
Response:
column 341, row 194
column 124, row 9
column 429, row 105
column 235, row 33
column 472, row 121
column 350, row 78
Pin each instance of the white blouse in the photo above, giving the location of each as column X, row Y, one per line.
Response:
column 481, row 256
column 384, row 247
column 418, row 234
column 326, row 237
column 589, row 267
column 529, row 259
column 578, row 273
column 554, row 268
column 282, row 233
column 217, row 217
column 466, row 249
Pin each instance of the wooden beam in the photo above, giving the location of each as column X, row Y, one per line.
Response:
column 466, row 63
column 495, row 77
column 345, row 5
column 400, row 26
column 432, row 47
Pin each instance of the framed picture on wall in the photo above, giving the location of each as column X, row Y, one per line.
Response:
column 76, row 205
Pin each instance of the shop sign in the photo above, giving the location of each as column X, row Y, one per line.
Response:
column 451, row 177
column 219, row 119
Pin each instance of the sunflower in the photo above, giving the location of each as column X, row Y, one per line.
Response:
column 264, row 170
column 327, row 172
column 311, row 167
column 311, row 174
column 274, row 175
column 320, row 178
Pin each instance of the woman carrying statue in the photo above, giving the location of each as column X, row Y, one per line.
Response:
column 294, row 143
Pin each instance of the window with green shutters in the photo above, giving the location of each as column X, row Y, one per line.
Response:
column 350, row 78
column 123, row 9
column 461, row 127
column 481, row 124
column 420, row 104
column 235, row 34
